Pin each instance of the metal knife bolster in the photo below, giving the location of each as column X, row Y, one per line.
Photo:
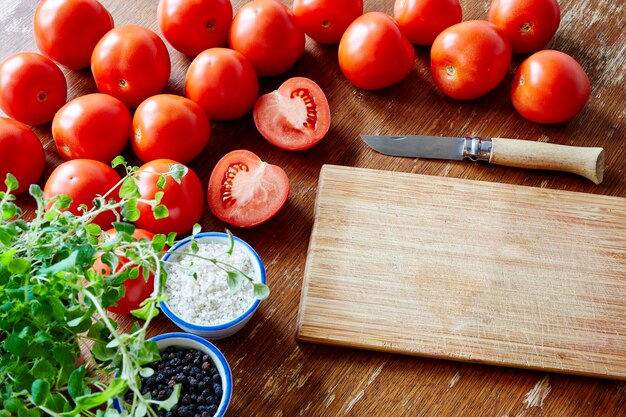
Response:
column 477, row 149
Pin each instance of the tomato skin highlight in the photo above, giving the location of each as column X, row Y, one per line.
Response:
column 93, row 126
column 373, row 53
column 295, row 117
column 266, row 32
column 32, row 88
column 169, row 126
column 528, row 24
column 82, row 180
column 422, row 20
column 223, row 82
column 469, row 59
column 66, row 31
column 245, row 191
column 193, row 26
column 184, row 201
column 130, row 63
column 326, row 20
column 550, row 87
column 27, row 158
column 135, row 290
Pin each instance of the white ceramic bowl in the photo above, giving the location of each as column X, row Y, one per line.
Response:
column 190, row 341
column 229, row 328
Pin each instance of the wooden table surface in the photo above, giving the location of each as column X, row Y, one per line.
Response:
column 277, row 376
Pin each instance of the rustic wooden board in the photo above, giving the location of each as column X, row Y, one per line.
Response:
column 467, row 270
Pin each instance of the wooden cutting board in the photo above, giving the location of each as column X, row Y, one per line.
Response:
column 467, row 270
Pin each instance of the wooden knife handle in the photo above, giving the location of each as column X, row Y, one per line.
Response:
column 587, row 162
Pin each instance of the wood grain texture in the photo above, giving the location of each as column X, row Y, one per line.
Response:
column 277, row 376
column 467, row 270
column 584, row 161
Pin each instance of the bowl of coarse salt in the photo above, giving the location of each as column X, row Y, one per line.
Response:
column 199, row 298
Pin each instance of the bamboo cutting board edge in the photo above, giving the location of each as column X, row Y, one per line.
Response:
column 301, row 319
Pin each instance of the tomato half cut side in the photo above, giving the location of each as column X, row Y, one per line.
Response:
column 295, row 117
column 245, row 191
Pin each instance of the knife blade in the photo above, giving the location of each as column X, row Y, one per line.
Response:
column 584, row 161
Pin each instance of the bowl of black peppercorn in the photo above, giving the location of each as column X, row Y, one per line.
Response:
column 201, row 370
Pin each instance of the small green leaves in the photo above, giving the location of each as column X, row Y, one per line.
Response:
column 115, row 389
column 158, row 196
column 130, row 210
column 35, row 191
column 158, row 242
column 196, row 229
column 172, row 400
column 178, row 171
column 171, row 239
column 18, row 266
column 261, row 291
column 145, row 312
column 117, row 161
column 146, row 372
column 231, row 242
column 40, row 391
column 160, row 211
column 129, row 188
column 161, row 181
column 75, row 383
column 11, row 182
column 93, row 229
column 122, row 227
column 234, row 279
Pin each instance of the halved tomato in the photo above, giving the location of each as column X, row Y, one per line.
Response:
column 294, row 117
column 245, row 191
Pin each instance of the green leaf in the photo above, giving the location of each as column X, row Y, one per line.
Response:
column 35, row 191
column 110, row 259
column 129, row 188
column 143, row 313
column 101, row 353
column 9, row 210
column 123, row 227
column 194, row 246
column 113, row 343
column 146, row 372
column 43, row 369
column 141, row 410
column 75, row 322
column 234, row 280
column 196, row 229
column 6, row 237
column 19, row 266
column 75, row 383
column 261, row 291
column 231, row 242
column 63, row 356
column 62, row 202
column 93, row 229
column 171, row 239
column 160, row 212
column 161, row 181
column 58, row 403
column 130, row 210
column 16, row 345
column 158, row 196
column 178, row 171
column 117, row 161
column 6, row 257
column 64, row 265
column 40, row 391
column 11, row 182
column 172, row 400
column 115, row 389
column 158, row 242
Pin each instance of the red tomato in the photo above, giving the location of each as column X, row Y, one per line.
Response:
column 469, row 59
column 131, row 63
column 326, row 20
column 185, row 201
column 169, row 126
column 135, row 290
column 223, row 83
column 373, row 53
column 27, row 158
column 266, row 32
column 32, row 88
column 93, row 126
column 245, row 191
column 193, row 26
column 550, row 87
column 295, row 117
column 529, row 24
column 66, row 31
column 422, row 20
column 82, row 180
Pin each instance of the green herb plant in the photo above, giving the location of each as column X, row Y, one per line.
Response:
column 53, row 303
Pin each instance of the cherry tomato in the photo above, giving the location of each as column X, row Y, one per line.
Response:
column 295, row 117
column 131, row 63
column 93, row 126
column 66, row 31
column 32, row 88
column 373, row 53
column 529, row 24
column 223, row 83
column 193, row 26
column 135, row 289
column 245, row 191
column 82, row 180
column 326, row 20
column 266, row 32
column 422, row 20
column 184, row 201
column 469, row 59
column 169, row 126
column 550, row 87
column 27, row 158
